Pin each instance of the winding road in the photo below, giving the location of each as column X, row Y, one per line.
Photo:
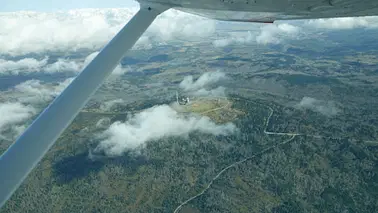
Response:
column 276, row 133
column 228, row 167
column 293, row 135
column 208, row 186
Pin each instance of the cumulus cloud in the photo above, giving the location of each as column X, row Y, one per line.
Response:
column 327, row 108
column 12, row 115
column 152, row 124
column 62, row 65
column 108, row 105
column 28, row 32
column 24, row 101
column 103, row 123
column 208, row 78
column 267, row 34
column 345, row 23
column 37, row 92
column 235, row 38
column 23, row 65
column 174, row 24
column 89, row 29
column 273, row 33
column 200, row 87
column 31, row 65
column 219, row 91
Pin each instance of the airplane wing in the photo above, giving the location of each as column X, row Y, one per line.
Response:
column 23, row 155
column 267, row 11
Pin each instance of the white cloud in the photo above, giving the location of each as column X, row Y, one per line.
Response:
column 273, row 33
column 24, row 101
column 152, row 124
column 12, row 115
column 200, row 86
column 107, row 105
column 26, row 32
column 103, row 123
column 345, row 23
column 235, row 38
column 174, row 24
column 30, row 65
column 219, row 91
column 36, row 92
column 69, row 31
column 222, row 42
column 327, row 108
column 63, row 65
column 23, row 65
column 267, row 34
column 208, row 78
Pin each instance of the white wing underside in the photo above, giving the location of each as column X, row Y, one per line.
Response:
column 270, row 10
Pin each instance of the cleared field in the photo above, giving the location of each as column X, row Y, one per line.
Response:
column 219, row 109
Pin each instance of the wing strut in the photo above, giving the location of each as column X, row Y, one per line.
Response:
column 23, row 155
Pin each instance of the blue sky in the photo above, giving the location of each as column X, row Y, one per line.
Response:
column 54, row 5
